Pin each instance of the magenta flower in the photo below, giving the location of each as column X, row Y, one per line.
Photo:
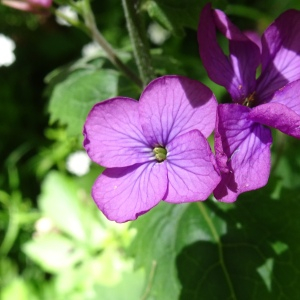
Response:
column 35, row 6
column 154, row 149
column 242, row 141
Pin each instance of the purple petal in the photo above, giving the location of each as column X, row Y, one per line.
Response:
column 214, row 60
column 113, row 134
column 282, row 112
column 280, row 54
column 174, row 105
column 191, row 169
column 236, row 73
column 254, row 37
column 122, row 194
column 242, row 151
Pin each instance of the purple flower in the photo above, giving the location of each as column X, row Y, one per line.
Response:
column 242, row 141
column 154, row 149
column 35, row 6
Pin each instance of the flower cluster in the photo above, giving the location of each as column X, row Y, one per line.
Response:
column 242, row 140
column 156, row 149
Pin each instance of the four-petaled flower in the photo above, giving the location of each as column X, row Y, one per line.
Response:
column 242, row 142
column 35, row 6
column 154, row 149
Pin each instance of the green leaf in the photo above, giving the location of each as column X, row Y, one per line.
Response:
column 18, row 289
column 53, row 252
column 286, row 160
column 59, row 202
column 61, row 73
column 212, row 250
column 71, row 210
column 76, row 283
column 175, row 15
column 73, row 98
column 257, row 257
column 129, row 288
column 162, row 233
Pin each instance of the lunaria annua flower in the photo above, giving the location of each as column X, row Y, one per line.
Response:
column 35, row 6
column 242, row 142
column 154, row 149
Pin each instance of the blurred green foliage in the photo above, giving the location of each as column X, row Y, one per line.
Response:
column 55, row 244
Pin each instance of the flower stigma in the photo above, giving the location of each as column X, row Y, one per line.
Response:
column 249, row 101
column 160, row 153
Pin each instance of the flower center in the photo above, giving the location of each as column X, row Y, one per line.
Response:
column 249, row 101
column 160, row 153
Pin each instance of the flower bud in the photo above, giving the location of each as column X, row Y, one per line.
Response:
column 35, row 6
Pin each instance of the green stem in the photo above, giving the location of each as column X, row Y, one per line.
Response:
column 151, row 276
column 13, row 224
column 137, row 35
column 216, row 237
column 95, row 34
column 280, row 144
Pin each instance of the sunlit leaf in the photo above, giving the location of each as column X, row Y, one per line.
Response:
column 129, row 288
column 71, row 209
column 18, row 289
column 59, row 202
column 53, row 252
column 162, row 233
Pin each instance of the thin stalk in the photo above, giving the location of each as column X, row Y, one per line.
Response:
column 280, row 144
column 150, row 281
column 216, row 237
column 13, row 224
column 96, row 35
column 138, row 39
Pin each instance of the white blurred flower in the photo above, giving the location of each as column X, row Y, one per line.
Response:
column 7, row 46
column 68, row 12
column 43, row 225
column 157, row 34
column 78, row 163
column 90, row 49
